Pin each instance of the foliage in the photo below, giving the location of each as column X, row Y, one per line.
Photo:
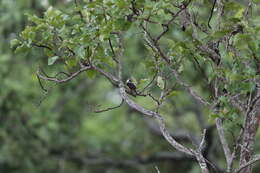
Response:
column 219, row 58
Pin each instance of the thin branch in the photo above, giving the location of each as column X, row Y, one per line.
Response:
column 255, row 159
column 41, row 46
column 41, row 85
column 110, row 108
column 149, row 82
column 202, row 162
column 180, row 135
column 213, row 55
column 157, row 169
column 151, row 42
column 79, row 11
column 112, row 49
column 198, row 154
column 160, row 120
column 227, row 152
column 60, row 73
column 189, row 88
column 108, row 75
column 54, row 79
column 147, row 112
column 154, row 45
column 202, row 143
column 211, row 13
column 167, row 25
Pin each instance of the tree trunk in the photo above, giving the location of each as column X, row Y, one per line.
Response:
column 251, row 125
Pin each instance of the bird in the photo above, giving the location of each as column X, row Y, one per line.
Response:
column 131, row 86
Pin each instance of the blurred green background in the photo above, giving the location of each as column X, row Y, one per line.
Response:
column 57, row 131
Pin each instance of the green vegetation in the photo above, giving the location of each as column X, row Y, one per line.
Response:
column 64, row 102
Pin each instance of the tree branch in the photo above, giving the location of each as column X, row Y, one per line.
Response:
column 255, row 159
column 229, row 157
column 54, row 79
column 144, row 111
column 110, row 108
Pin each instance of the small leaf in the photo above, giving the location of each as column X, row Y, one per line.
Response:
column 160, row 82
column 223, row 100
column 91, row 74
column 256, row 1
column 143, row 82
column 239, row 14
column 80, row 51
column 174, row 93
column 52, row 60
column 14, row 43
column 214, row 116
column 220, row 34
column 21, row 49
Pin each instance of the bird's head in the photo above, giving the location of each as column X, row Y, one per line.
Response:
column 129, row 81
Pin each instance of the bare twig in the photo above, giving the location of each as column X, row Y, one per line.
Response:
column 202, row 140
column 189, row 88
column 41, row 85
column 110, row 108
column 41, row 46
column 112, row 49
column 229, row 157
column 114, row 80
column 157, row 169
column 149, row 82
column 211, row 13
column 151, row 42
column 54, row 79
column 202, row 162
column 167, row 25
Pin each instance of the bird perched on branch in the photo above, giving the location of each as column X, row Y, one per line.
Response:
column 131, row 86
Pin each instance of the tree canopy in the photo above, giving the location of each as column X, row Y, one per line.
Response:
column 66, row 107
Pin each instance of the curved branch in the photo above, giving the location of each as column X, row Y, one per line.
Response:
column 54, row 79
column 110, row 108
column 109, row 76
column 150, row 82
column 160, row 120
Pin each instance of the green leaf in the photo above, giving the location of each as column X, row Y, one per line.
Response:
column 21, row 49
column 220, row 34
column 80, row 51
column 121, row 3
column 214, row 116
column 52, row 60
column 143, row 82
column 160, row 82
column 174, row 93
column 51, row 12
column 14, row 43
column 28, row 34
column 122, row 24
column 71, row 62
column 35, row 19
column 91, row 74
column 223, row 100
column 256, row 1
column 241, row 40
column 240, row 13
